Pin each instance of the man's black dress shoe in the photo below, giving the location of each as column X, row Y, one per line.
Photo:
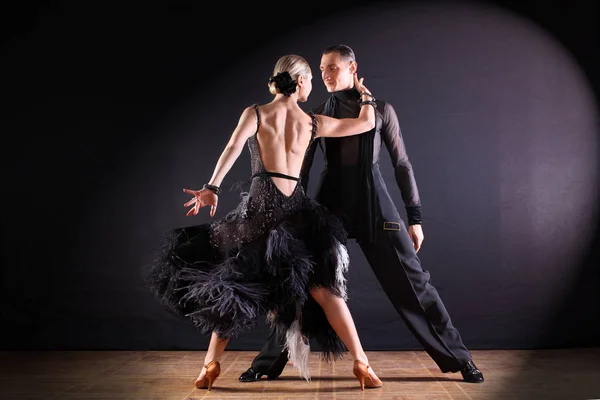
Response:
column 471, row 373
column 252, row 376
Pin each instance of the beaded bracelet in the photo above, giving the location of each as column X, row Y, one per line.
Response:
column 367, row 94
column 370, row 102
column 213, row 188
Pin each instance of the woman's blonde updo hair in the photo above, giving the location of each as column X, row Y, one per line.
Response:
column 295, row 66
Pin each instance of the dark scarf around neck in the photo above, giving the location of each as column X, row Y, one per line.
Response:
column 367, row 205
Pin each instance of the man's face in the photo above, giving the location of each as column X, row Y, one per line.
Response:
column 337, row 73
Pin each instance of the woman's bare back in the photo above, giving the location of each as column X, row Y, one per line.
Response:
column 283, row 136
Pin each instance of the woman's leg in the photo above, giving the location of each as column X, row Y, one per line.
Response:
column 341, row 321
column 216, row 348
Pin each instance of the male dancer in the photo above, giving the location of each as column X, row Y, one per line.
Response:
column 351, row 186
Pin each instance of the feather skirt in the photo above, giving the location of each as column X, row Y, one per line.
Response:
column 225, row 284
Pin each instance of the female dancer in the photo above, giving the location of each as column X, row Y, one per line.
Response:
column 278, row 252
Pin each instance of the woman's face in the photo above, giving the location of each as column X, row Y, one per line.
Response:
column 305, row 87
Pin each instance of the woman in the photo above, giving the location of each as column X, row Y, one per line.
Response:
column 278, row 252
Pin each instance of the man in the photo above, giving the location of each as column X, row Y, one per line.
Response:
column 352, row 187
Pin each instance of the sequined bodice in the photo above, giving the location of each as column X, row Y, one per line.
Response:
column 263, row 205
column 255, row 162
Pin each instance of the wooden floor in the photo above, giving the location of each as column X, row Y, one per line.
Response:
column 568, row 374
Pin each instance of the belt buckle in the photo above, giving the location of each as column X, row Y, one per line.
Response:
column 391, row 226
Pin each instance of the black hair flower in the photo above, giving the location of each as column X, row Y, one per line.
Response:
column 284, row 83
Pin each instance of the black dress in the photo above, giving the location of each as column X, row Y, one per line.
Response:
column 259, row 259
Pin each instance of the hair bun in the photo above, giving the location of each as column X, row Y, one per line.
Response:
column 284, row 83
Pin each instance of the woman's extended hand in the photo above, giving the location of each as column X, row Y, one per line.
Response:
column 202, row 198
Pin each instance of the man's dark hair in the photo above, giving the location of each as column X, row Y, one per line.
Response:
column 344, row 51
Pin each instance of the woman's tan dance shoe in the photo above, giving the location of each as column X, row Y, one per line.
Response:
column 361, row 371
column 213, row 369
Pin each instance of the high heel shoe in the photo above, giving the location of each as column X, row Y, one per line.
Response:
column 361, row 371
column 213, row 370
